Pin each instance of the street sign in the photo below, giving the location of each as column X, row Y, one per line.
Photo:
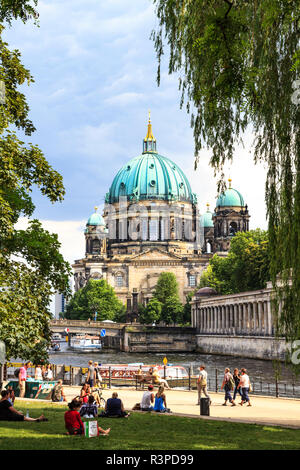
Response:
column 67, row 330
column 165, row 361
column 102, row 333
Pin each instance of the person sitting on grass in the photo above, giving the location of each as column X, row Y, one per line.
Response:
column 9, row 413
column 73, row 422
column 160, row 404
column 90, row 409
column 85, row 393
column 11, row 395
column 147, row 400
column 57, row 393
column 114, row 408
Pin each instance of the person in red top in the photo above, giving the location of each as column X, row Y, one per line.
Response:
column 73, row 422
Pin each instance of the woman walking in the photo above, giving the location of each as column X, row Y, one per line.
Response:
column 244, row 385
column 236, row 378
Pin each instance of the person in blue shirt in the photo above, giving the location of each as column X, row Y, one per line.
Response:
column 160, row 403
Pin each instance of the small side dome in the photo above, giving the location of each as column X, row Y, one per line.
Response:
column 95, row 219
column 206, row 220
column 230, row 198
column 206, row 292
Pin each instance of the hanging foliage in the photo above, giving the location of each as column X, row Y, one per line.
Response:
column 238, row 64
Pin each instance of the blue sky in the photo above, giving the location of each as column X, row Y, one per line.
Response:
column 95, row 79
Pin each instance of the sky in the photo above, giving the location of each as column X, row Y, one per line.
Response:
column 95, row 68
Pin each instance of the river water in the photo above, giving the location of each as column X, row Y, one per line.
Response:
column 259, row 371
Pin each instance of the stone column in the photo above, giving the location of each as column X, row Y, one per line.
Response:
column 219, row 319
column 270, row 321
column 231, row 310
column 208, row 319
column 223, row 319
column 236, row 318
column 255, row 318
column 205, row 320
column 260, row 318
column 250, row 317
column 245, row 319
column 266, row 318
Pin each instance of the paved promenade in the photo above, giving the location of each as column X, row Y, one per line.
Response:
column 265, row 410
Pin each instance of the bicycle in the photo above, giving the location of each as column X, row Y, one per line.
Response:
column 97, row 394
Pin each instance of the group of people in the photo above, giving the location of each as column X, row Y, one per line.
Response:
column 239, row 383
column 151, row 402
column 42, row 372
column 9, row 413
column 80, row 408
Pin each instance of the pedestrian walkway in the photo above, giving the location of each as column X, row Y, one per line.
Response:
column 265, row 410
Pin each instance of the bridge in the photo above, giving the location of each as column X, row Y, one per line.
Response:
column 133, row 337
column 113, row 335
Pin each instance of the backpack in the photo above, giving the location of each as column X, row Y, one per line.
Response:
column 16, row 373
column 56, row 393
column 231, row 384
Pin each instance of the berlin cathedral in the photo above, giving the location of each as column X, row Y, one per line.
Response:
column 151, row 224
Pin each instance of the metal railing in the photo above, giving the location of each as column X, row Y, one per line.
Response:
column 76, row 376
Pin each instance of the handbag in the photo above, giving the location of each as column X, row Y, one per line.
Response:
column 91, row 429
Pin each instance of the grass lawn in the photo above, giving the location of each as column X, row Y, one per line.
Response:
column 141, row 432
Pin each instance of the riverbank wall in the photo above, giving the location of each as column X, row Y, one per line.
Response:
column 137, row 338
column 253, row 347
column 142, row 339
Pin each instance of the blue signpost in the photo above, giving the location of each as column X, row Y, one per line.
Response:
column 102, row 333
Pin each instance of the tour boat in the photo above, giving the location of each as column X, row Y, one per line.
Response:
column 129, row 371
column 85, row 343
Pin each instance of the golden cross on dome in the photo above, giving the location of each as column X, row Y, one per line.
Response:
column 229, row 180
column 96, row 208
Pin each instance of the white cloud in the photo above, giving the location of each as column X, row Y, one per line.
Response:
column 70, row 235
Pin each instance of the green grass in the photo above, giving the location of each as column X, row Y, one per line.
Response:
column 142, row 432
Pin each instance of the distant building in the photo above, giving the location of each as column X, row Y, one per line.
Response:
column 60, row 302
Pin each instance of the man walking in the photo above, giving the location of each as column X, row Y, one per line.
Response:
column 202, row 384
column 22, row 378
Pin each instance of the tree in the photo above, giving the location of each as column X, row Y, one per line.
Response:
column 246, row 268
column 97, row 296
column 31, row 267
column 152, row 312
column 238, row 62
column 166, row 292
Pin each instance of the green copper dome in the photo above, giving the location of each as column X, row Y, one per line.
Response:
column 206, row 219
column 95, row 219
column 150, row 176
column 231, row 197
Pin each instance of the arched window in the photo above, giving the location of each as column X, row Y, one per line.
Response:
column 233, row 228
column 96, row 246
column 192, row 280
column 119, row 280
